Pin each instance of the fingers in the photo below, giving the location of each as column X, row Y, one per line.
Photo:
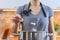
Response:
column 17, row 18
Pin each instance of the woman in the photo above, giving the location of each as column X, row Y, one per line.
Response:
column 36, row 10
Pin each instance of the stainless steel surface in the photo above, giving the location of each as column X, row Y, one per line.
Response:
column 39, row 35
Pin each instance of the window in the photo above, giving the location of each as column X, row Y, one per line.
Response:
column 15, row 3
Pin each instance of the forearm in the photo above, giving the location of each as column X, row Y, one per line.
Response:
column 51, row 29
column 15, row 28
column 53, row 36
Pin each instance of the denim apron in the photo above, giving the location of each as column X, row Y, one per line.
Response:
column 37, row 25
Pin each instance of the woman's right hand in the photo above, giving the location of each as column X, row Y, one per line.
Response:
column 17, row 18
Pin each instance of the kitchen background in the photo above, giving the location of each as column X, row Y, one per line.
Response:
column 8, row 8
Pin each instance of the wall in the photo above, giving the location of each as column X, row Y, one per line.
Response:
column 15, row 3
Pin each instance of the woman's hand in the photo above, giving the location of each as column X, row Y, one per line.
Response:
column 17, row 18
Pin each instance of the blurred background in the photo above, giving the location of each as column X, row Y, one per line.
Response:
column 8, row 8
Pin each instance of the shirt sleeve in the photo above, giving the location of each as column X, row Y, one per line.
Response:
column 19, row 10
column 50, row 12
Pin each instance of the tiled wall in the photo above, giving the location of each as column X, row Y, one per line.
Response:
column 6, row 19
column 57, row 17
